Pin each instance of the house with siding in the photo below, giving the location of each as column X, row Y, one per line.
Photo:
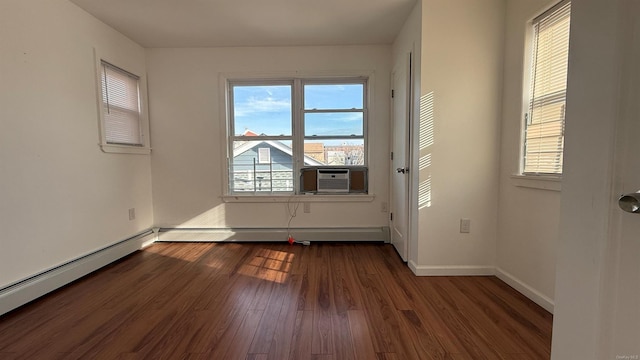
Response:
column 265, row 166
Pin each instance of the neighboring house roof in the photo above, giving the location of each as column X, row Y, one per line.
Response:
column 314, row 147
column 248, row 132
column 276, row 144
column 315, row 150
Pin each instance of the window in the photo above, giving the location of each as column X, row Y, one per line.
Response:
column 334, row 121
column 277, row 127
column 121, row 120
column 544, row 120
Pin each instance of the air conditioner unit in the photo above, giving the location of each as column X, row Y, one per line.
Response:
column 333, row 180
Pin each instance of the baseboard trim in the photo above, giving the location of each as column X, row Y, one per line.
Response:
column 374, row 234
column 526, row 290
column 460, row 270
column 29, row 289
column 520, row 286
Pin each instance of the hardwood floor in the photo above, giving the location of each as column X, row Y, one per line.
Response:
column 275, row 301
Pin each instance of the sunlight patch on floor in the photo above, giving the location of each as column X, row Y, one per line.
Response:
column 270, row 265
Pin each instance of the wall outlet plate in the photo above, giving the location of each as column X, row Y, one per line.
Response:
column 465, row 226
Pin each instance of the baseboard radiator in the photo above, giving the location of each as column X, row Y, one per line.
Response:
column 33, row 287
column 361, row 234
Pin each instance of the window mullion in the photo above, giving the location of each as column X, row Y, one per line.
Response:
column 260, row 137
column 311, row 111
column 334, row 137
column 298, row 132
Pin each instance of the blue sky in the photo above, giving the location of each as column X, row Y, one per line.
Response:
column 267, row 109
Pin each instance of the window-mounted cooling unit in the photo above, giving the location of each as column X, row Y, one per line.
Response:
column 333, row 180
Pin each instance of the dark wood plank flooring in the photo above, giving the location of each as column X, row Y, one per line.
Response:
column 275, row 301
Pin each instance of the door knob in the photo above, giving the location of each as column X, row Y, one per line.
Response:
column 630, row 202
column 402, row 170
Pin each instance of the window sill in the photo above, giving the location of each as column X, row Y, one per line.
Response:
column 541, row 182
column 297, row 198
column 124, row 149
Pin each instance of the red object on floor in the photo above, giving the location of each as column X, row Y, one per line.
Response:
column 291, row 240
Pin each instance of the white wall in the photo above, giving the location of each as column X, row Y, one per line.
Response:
column 60, row 195
column 462, row 46
column 410, row 39
column 597, row 270
column 188, row 134
column 528, row 218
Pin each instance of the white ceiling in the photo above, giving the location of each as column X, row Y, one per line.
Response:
column 208, row 23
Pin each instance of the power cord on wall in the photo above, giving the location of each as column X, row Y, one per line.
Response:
column 293, row 213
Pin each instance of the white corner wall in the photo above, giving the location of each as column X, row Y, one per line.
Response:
column 188, row 134
column 528, row 218
column 61, row 197
column 461, row 69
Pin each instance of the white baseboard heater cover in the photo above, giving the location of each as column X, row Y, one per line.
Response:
column 363, row 234
column 33, row 287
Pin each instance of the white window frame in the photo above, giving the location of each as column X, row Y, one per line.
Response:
column 527, row 103
column 297, row 138
column 364, row 112
column 143, row 123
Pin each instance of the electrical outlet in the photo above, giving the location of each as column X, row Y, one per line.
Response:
column 384, row 207
column 307, row 207
column 132, row 213
column 465, row 226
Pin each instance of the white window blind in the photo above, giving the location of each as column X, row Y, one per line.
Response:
column 544, row 129
column 121, row 106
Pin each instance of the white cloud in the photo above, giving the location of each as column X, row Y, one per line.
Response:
column 352, row 117
column 262, row 105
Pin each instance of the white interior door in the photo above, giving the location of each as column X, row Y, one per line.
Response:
column 401, row 95
column 626, row 226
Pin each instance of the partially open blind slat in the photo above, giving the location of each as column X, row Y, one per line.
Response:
column 544, row 137
column 121, row 106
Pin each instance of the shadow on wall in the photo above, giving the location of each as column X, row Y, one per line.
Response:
column 427, row 120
